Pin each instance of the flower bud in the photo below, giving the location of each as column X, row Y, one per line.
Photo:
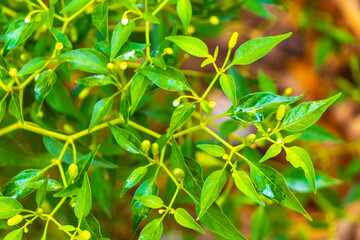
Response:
column 110, row 66
column 212, row 104
column 161, row 211
column 250, row 139
column 73, row 171
column 59, row 46
column 214, row 20
column 123, row 66
column 191, row 30
column 233, row 40
column 168, row 51
column 39, row 211
column 225, row 156
column 155, row 148
column 179, row 174
column 287, row 91
column 145, row 146
column 233, row 174
column 84, row 235
column 280, row 113
column 15, row 220
column 27, row 19
column 13, row 72
column 176, row 102
column 26, row 230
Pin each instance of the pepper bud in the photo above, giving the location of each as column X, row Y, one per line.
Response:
column 27, row 19
column 168, row 51
column 39, row 211
column 155, row 148
column 233, row 40
column 123, row 66
column 250, row 139
column 84, row 235
column 212, row 104
column 191, row 30
column 214, row 20
column 59, row 46
column 179, row 174
column 13, row 72
column 225, row 156
column 280, row 113
column 287, row 91
column 15, row 220
column 145, row 146
column 176, row 102
column 73, row 171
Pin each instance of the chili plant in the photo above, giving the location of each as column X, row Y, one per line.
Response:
column 116, row 78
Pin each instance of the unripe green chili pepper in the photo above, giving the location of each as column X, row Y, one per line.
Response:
column 73, row 171
column 145, row 146
column 250, row 139
column 179, row 174
column 15, row 220
column 280, row 113
column 233, row 40
column 155, row 148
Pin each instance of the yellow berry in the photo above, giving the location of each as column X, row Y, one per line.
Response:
column 15, row 220
column 250, row 139
column 214, row 20
column 287, row 91
column 179, row 174
column 225, row 156
column 73, row 171
column 145, row 146
column 168, row 51
column 13, row 72
column 110, row 66
column 191, row 30
column 59, row 46
column 83, row 93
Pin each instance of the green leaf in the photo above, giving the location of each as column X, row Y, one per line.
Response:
column 184, row 11
column 183, row 218
column 244, row 184
column 266, row 84
column 125, row 105
column 73, row 6
column 211, row 190
column 291, row 138
column 17, row 33
column 84, row 200
column 319, row 134
column 255, row 49
column 152, row 231
column 256, row 107
column 133, row 179
column 52, row 185
column 68, row 228
column 296, row 180
column 87, row 60
column 91, row 224
column 43, row 86
column 18, row 186
column 9, row 207
column 100, row 17
column 273, row 151
column 148, row 16
column 15, row 108
column 102, row 189
column 306, row 114
column 170, row 79
column 2, row 107
column 138, row 210
column 272, row 185
column 33, row 65
column 298, row 157
column 227, row 84
column 41, row 193
column 150, row 201
column 15, row 235
column 47, row 17
column 126, row 139
column 61, row 38
column 96, row 80
column 120, row 35
column 260, row 224
column 212, row 149
column 191, row 45
column 137, row 90
column 181, row 114
column 84, row 164
column 69, row 191
column 101, row 109
column 132, row 55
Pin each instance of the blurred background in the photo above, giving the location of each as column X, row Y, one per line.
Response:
column 319, row 59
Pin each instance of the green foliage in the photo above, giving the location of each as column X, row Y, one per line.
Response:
column 84, row 85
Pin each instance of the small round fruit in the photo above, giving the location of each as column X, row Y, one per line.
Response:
column 179, row 174
column 155, row 148
column 145, row 145
column 73, row 171
column 250, row 139
column 84, row 235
